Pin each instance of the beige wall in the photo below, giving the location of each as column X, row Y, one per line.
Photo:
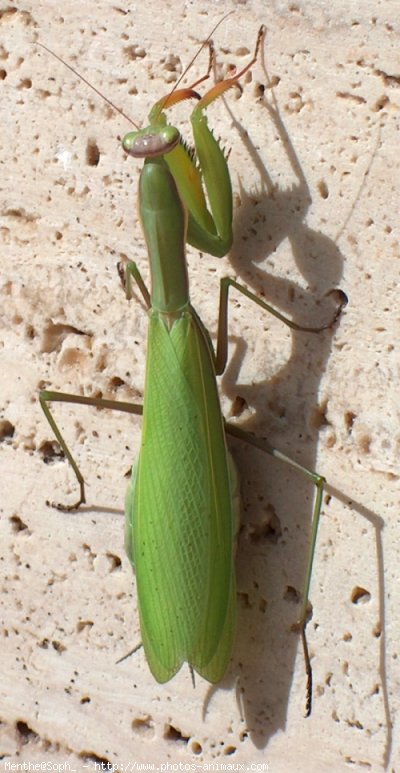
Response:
column 315, row 171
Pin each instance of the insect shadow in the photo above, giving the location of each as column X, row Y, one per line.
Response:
column 272, row 549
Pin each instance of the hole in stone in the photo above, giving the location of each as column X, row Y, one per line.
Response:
column 323, row 189
column 57, row 646
column 17, row 524
column 54, row 335
column 6, row 430
column 244, row 601
column 377, row 630
column 84, row 624
column 25, row 732
column 318, row 417
column 291, row 594
column 103, row 763
column 239, row 405
column 51, row 451
column 143, row 725
column 92, row 153
column 230, row 750
column 269, row 529
column 174, row 735
column 360, row 595
column 349, row 419
column 115, row 562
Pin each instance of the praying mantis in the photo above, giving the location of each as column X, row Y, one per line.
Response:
column 182, row 500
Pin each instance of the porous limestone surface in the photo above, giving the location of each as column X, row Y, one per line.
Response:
column 313, row 141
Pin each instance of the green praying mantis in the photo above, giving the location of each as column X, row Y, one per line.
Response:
column 181, row 504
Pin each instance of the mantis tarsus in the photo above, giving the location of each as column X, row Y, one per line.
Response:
column 181, row 501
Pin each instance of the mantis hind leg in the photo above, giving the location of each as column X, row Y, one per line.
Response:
column 319, row 482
